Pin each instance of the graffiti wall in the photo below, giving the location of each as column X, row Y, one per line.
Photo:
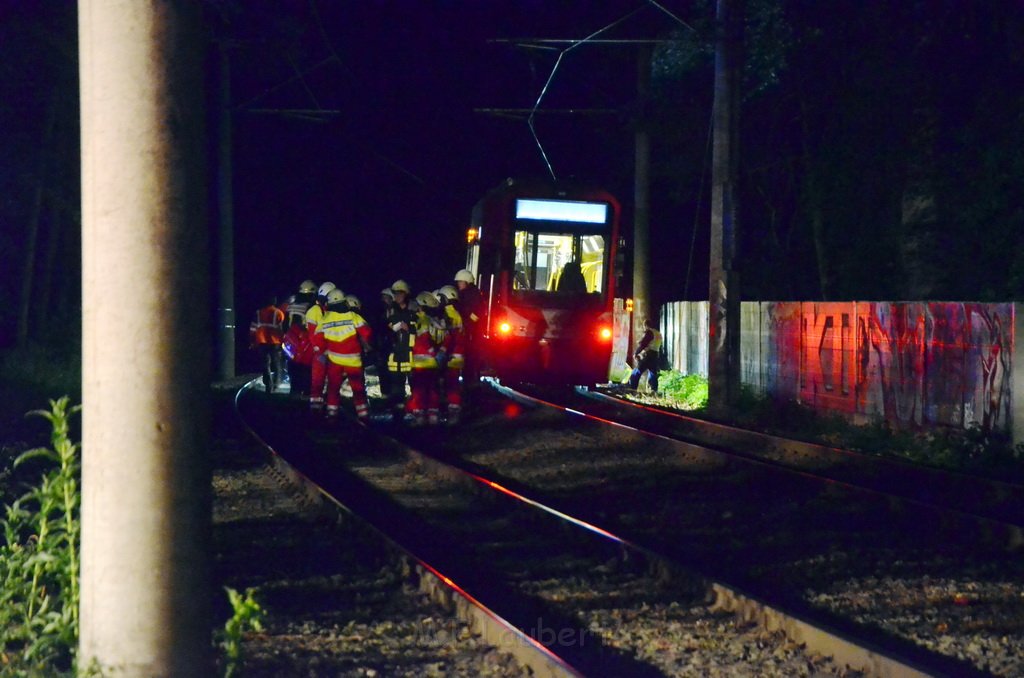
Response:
column 912, row 363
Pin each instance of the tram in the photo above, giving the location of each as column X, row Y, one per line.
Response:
column 544, row 255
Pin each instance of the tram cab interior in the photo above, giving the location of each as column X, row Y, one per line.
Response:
column 558, row 265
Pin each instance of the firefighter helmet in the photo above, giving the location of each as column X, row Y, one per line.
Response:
column 400, row 286
column 465, row 276
column 386, row 292
column 353, row 302
column 307, row 287
column 427, row 300
column 325, row 289
column 448, row 292
column 335, row 296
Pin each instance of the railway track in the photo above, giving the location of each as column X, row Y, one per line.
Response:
column 433, row 506
column 1002, row 503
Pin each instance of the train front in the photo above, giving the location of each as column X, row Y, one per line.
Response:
column 545, row 266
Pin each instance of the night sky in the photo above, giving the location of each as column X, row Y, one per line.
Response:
column 851, row 111
column 385, row 188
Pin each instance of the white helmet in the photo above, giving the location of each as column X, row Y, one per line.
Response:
column 448, row 292
column 307, row 287
column 325, row 289
column 386, row 292
column 465, row 276
column 353, row 302
column 335, row 296
column 400, row 286
column 427, row 300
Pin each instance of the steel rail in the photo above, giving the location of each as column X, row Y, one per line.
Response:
column 823, row 633
column 493, row 628
column 997, row 503
column 1008, row 535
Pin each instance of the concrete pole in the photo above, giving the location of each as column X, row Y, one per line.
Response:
column 146, row 369
column 724, row 289
column 642, row 203
column 226, row 229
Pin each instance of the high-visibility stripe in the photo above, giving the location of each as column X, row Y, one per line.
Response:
column 395, row 366
column 424, row 362
column 343, row 356
column 345, row 359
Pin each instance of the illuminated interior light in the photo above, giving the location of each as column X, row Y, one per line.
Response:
column 472, row 235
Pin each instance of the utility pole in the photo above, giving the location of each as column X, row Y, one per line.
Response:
column 642, row 200
column 226, row 226
column 724, row 283
column 145, row 369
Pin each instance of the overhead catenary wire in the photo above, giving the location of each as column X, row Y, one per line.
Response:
column 551, row 76
column 572, row 46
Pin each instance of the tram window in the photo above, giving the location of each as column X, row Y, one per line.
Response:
column 541, row 258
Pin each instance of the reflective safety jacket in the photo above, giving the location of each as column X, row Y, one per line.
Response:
column 266, row 329
column 403, row 340
column 342, row 336
column 430, row 335
column 295, row 312
column 649, row 344
column 313, row 316
column 455, row 339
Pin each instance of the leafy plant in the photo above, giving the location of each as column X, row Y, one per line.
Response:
column 39, row 558
column 690, row 391
column 246, row 615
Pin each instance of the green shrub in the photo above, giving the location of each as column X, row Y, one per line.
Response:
column 39, row 559
column 246, row 615
column 690, row 391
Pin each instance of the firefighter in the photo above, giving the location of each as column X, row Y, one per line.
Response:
column 455, row 350
column 265, row 336
column 318, row 367
column 647, row 356
column 470, row 307
column 383, row 341
column 341, row 336
column 401, row 321
column 296, row 341
column 427, row 352
column 295, row 310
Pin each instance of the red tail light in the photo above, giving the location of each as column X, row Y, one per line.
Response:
column 504, row 328
column 604, row 333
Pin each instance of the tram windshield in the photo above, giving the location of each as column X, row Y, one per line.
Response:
column 562, row 263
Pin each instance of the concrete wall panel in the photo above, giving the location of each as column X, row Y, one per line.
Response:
column 913, row 364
